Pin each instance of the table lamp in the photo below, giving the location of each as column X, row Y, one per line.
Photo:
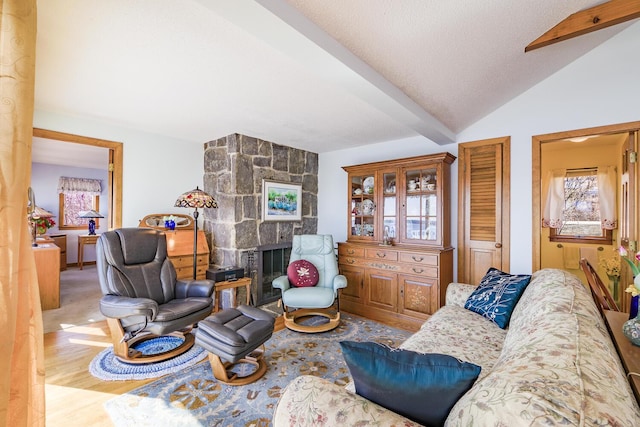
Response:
column 196, row 199
column 36, row 214
column 91, row 214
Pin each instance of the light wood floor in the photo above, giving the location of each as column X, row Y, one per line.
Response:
column 73, row 396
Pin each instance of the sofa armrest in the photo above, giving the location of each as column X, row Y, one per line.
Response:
column 312, row 401
column 194, row 288
column 457, row 293
column 281, row 283
column 119, row 307
column 339, row 282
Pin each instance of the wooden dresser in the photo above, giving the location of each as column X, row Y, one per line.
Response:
column 180, row 251
column 397, row 258
column 60, row 241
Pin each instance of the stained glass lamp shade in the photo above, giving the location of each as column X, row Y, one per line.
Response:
column 196, row 199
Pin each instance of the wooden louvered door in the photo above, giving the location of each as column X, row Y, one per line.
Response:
column 483, row 208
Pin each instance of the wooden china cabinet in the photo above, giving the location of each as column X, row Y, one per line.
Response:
column 397, row 258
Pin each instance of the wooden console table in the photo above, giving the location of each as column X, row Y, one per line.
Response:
column 629, row 353
column 85, row 239
column 47, row 257
column 232, row 284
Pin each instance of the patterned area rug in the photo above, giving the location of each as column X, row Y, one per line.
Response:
column 193, row 397
column 107, row 367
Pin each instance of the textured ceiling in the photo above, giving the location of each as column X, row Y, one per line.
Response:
column 317, row 75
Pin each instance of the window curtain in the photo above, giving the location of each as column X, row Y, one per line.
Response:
column 552, row 213
column 607, row 197
column 22, row 356
column 69, row 185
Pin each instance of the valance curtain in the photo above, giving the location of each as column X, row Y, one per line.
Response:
column 69, row 185
column 22, row 356
column 552, row 213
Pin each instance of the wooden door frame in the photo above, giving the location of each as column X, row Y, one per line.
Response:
column 505, row 141
column 536, row 156
column 115, row 175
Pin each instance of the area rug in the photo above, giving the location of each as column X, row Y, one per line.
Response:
column 107, row 367
column 193, row 397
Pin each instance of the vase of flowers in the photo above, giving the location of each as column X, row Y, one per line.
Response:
column 43, row 224
column 631, row 327
column 633, row 289
column 612, row 267
column 170, row 222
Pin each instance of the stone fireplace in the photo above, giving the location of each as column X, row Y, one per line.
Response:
column 234, row 169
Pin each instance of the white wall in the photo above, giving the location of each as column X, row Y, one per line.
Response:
column 156, row 169
column 601, row 88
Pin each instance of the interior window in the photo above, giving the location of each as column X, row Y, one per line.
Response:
column 71, row 204
column 581, row 210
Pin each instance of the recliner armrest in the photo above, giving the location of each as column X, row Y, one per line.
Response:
column 281, row 283
column 118, row 307
column 194, row 288
column 339, row 282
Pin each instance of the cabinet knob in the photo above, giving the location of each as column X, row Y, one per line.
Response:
column 498, row 245
column 381, row 255
column 351, row 260
column 351, row 251
column 417, row 270
column 417, row 259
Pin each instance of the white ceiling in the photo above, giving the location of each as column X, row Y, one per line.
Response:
column 317, row 75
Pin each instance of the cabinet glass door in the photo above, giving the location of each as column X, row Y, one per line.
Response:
column 363, row 207
column 421, row 205
column 389, row 212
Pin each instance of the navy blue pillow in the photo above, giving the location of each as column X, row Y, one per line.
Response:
column 497, row 295
column 421, row 387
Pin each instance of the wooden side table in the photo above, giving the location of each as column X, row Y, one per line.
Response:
column 85, row 239
column 232, row 284
column 47, row 257
column 629, row 353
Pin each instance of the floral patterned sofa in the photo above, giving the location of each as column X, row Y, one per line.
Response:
column 554, row 365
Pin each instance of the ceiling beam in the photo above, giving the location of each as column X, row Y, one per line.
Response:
column 586, row 21
column 280, row 25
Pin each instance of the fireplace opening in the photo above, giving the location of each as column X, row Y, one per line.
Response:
column 272, row 261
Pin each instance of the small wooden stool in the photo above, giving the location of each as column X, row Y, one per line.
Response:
column 234, row 334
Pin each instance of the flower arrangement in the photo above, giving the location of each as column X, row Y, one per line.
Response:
column 169, row 222
column 633, row 289
column 43, row 224
column 611, row 266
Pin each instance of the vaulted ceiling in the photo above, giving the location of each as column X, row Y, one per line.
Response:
column 318, row 75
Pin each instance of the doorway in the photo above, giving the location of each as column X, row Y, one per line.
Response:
column 576, row 150
column 114, row 168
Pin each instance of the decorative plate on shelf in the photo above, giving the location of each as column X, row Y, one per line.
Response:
column 368, row 207
column 367, row 185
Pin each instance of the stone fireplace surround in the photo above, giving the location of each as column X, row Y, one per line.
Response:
column 234, row 167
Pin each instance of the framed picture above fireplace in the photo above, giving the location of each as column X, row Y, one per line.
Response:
column 281, row 201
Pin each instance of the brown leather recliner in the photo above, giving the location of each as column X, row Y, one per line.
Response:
column 142, row 297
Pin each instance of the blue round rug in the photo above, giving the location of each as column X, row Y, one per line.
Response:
column 107, row 367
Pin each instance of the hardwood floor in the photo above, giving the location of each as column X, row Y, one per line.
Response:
column 73, row 396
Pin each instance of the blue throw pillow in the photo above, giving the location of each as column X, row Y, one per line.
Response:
column 421, row 387
column 497, row 295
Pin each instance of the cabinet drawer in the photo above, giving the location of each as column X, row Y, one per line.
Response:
column 418, row 258
column 419, row 270
column 350, row 251
column 187, row 272
column 187, row 260
column 348, row 260
column 382, row 254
